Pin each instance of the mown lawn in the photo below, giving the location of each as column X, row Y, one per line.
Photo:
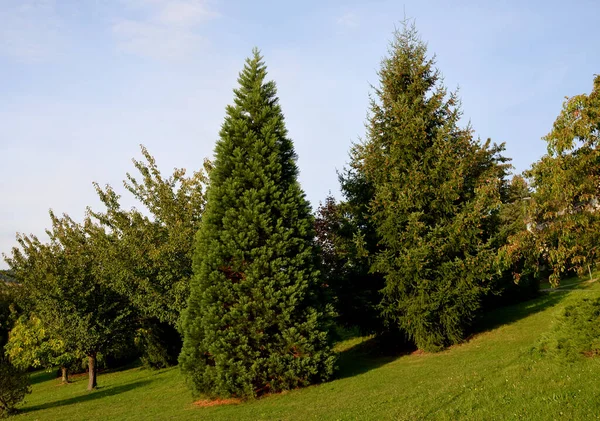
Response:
column 493, row 376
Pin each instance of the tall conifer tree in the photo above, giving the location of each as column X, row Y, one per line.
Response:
column 255, row 322
column 436, row 197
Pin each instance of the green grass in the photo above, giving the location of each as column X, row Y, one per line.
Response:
column 494, row 375
column 571, row 283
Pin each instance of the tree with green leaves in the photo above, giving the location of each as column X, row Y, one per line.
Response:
column 6, row 277
column 436, row 197
column 514, row 220
column 31, row 345
column 564, row 230
column 14, row 382
column 150, row 261
column 69, row 289
column 359, row 244
column 255, row 321
column 514, row 213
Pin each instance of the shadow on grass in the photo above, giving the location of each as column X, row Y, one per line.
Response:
column 512, row 313
column 370, row 354
column 376, row 351
column 41, row 376
column 98, row 394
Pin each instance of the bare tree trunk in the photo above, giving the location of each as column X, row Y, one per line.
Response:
column 92, row 371
column 65, row 374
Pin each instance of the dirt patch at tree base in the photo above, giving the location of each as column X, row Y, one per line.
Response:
column 205, row 403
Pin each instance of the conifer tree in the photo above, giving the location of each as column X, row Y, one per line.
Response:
column 255, row 322
column 349, row 242
column 436, row 197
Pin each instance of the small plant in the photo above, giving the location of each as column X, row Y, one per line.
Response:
column 14, row 385
column 576, row 332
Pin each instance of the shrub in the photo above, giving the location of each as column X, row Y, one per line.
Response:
column 14, row 385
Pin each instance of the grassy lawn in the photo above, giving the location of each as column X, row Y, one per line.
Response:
column 492, row 376
column 571, row 283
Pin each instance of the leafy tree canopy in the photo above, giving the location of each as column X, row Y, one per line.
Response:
column 31, row 345
column 69, row 288
column 150, row 259
column 564, row 222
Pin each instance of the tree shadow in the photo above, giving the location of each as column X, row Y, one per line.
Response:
column 512, row 313
column 41, row 376
column 378, row 351
column 370, row 354
column 99, row 394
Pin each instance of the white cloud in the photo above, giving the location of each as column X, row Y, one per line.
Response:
column 164, row 29
column 349, row 20
column 155, row 41
column 184, row 13
column 29, row 29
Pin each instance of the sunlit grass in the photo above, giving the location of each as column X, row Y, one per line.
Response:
column 492, row 376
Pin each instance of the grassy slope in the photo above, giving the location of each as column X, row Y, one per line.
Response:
column 492, row 376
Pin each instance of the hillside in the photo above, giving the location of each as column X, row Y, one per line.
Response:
column 492, row 376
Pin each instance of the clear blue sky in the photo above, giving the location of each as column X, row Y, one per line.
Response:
column 84, row 82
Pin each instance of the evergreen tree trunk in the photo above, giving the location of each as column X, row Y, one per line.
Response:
column 92, row 371
column 65, row 374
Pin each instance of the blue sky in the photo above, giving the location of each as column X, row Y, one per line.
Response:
column 84, row 82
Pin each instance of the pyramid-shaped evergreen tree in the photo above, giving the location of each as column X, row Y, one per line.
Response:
column 255, row 321
column 437, row 192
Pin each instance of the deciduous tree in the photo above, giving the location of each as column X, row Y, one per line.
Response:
column 31, row 345
column 565, row 225
column 69, row 288
column 149, row 257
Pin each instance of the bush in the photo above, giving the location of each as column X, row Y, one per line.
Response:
column 14, row 385
column 576, row 332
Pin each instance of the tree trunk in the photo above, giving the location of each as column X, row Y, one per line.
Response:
column 65, row 374
column 92, row 371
